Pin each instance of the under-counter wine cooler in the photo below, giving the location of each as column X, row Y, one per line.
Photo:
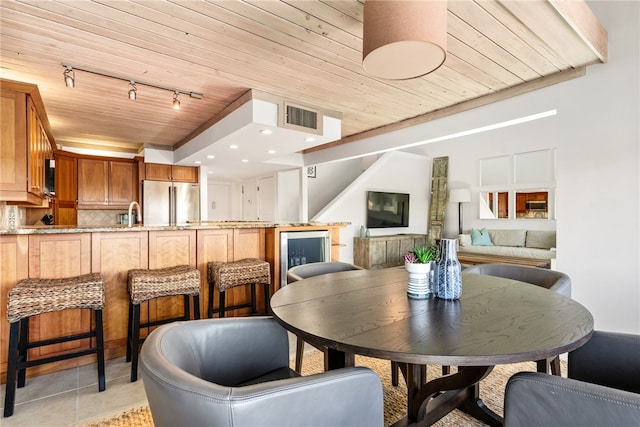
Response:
column 303, row 247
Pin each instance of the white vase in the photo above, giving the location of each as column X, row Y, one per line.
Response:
column 420, row 278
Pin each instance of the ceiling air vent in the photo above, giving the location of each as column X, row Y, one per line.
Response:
column 302, row 118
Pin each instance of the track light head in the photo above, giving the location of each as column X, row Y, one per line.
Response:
column 133, row 90
column 69, row 77
column 176, row 101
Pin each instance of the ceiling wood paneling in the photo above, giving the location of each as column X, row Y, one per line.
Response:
column 305, row 51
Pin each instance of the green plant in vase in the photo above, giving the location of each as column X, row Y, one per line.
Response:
column 418, row 263
column 421, row 255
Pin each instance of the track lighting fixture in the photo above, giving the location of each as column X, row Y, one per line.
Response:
column 132, row 90
column 69, row 80
column 176, row 101
column 69, row 77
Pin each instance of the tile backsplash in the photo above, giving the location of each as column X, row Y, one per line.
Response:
column 99, row 217
column 11, row 216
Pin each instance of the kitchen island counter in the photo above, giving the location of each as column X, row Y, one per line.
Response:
column 113, row 250
column 195, row 225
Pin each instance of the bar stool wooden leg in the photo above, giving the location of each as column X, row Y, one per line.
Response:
column 135, row 342
column 196, row 307
column 221, row 306
column 129, row 331
column 23, row 339
column 267, row 297
column 102, row 382
column 187, row 314
column 254, row 309
column 12, row 363
column 210, row 304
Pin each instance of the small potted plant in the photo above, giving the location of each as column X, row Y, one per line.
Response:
column 419, row 264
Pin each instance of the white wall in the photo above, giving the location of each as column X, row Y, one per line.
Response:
column 288, row 196
column 597, row 136
column 330, row 180
column 393, row 172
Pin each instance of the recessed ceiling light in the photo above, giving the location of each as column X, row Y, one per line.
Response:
column 197, row 162
column 211, row 156
column 233, row 146
column 271, row 151
column 245, row 161
column 266, row 131
column 309, row 139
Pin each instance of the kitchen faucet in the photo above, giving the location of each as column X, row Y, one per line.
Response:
column 131, row 205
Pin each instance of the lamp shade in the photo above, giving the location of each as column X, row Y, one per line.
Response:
column 459, row 195
column 403, row 39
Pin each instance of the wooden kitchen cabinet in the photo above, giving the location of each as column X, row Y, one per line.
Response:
column 227, row 245
column 162, row 172
column 113, row 254
column 106, row 184
column 168, row 249
column 54, row 256
column 25, row 143
column 65, row 211
column 14, row 251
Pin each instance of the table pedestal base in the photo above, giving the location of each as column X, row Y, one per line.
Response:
column 427, row 402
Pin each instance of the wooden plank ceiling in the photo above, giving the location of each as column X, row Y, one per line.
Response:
column 305, row 51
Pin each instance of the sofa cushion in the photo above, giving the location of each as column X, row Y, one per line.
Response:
column 480, row 237
column 514, row 238
column 541, row 239
column 464, row 240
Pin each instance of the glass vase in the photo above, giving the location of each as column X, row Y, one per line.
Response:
column 448, row 274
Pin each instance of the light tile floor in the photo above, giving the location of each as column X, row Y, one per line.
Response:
column 71, row 397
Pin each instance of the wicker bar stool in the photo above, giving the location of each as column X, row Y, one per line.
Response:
column 227, row 275
column 155, row 283
column 31, row 297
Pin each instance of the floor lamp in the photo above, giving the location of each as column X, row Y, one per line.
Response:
column 460, row 196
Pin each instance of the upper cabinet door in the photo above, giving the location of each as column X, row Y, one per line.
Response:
column 157, row 172
column 93, row 182
column 184, row 174
column 122, row 183
column 106, row 183
column 164, row 172
column 24, row 146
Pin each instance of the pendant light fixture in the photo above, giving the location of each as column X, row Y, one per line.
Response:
column 133, row 90
column 176, row 101
column 69, row 77
column 403, row 39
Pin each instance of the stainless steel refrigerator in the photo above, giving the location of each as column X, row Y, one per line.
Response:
column 170, row 203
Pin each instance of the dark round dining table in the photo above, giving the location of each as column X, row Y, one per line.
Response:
column 495, row 321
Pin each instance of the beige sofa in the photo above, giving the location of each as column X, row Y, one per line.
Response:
column 534, row 244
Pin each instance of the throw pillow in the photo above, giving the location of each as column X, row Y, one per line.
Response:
column 480, row 237
column 464, row 240
column 541, row 239
column 513, row 238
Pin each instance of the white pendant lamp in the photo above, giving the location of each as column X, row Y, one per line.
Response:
column 403, row 39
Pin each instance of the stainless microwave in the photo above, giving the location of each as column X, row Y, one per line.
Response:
column 50, row 176
column 536, row 205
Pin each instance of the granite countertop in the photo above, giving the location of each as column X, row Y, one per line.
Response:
column 196, row 225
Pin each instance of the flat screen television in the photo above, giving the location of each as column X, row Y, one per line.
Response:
column 386, row 209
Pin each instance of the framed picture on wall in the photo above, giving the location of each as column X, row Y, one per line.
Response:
column 311, row 172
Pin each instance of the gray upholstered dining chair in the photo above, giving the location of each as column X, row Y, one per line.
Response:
column 312, row 269
column 235, row 371
column 603, row 388
column 548, row 279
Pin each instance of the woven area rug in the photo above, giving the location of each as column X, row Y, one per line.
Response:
column 395, row 398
